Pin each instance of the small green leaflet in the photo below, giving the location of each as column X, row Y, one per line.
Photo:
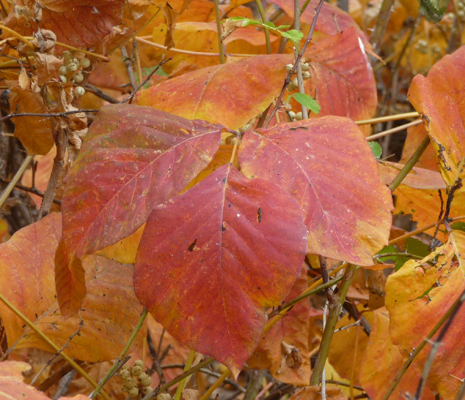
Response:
column 458, row 226
column 433, row 10
column 307, row 101
column 293, row 35
column 146, row 71
column 376, row 149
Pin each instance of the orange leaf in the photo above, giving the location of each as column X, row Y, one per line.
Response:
column 284, row 348
column 382, row 360
column 26, row 269
column 134, row 158
column 327, row 166
column 417, row 296
column 34, row 133
column 439, row 98
column 215, row 97
column 417, row 178
column 213, row 258
column 314, row 393
column 415, row 136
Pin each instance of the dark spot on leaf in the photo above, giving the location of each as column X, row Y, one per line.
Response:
column 191, row 247
column 259, row 215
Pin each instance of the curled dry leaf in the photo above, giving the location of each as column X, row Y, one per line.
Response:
column 232, row 246
column 134, row 158
column 327, row 166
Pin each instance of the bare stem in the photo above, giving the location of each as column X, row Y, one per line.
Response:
column 410, row 164
column 381, row 24
column 218, row 28
column 216, row 385
column 263, row 17
column 328, row 333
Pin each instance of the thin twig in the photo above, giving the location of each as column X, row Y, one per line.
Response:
column 32, row 190
column 393, row 130
column 64, row 384
column 216, row 385
column 16, row 178
column 78, row 332
column 100, row 93
column 160, row 64
column 342, row 328
column 381, row 24
column 127, row 62
column 296, row 64
column 387, row 118
column 156, row 362
column 453, row 309
column 120, row 361
column 51, row 115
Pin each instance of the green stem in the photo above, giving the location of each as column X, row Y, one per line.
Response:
column 335, row 310
column 300, row 79
column 181, row 386
column 427, row 339
column 267, row 33
column 410, row 164
column 218, row 28
column 117, row 363
column 15, row 179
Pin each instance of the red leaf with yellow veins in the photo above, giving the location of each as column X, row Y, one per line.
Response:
column 327, row 166
column 417, row 296
column 215, row 97
column 284, row 348
column 212, row 259
column 439, row 98
column 133, row 159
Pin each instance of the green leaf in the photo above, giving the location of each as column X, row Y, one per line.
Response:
column 376, row 149
column 458, row 226
column 416, row 247
column 294, row 36
column 307, row 101
column 434, row 10
column 146, row 71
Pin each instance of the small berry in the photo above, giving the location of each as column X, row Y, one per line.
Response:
column 305, row 66
column 63, row 70
column 129, row 383
column 145, row 380
column 67, row 56
column 136, row 370
column 298, row 116
column 125, row 373
column 305, row 74
column 295, row 82
column 72, row 67
column 147, row 390
column 289, row 67
column 85, row 62
column 63, row 78
column 292, row 114
column 78, row 78
column 139, row 363
column 133, row 392
column 79, row 91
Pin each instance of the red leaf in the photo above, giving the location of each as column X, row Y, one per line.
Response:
column 327, row 166
column 134, row 158
column 213, row 258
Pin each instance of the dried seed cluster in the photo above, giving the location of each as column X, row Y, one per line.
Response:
column 135, row 381
column 305, row 74
column 71, row 71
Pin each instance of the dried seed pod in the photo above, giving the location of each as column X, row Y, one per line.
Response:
column 79, row 91
column 298, row 116
column 78, row 78
column 133, row 392
column 295, row 82
column 244, row 128
column 291, row 87
column 136, row 370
